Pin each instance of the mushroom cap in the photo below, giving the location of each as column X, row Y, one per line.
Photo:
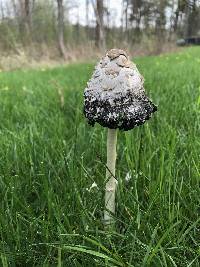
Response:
column 115, row 96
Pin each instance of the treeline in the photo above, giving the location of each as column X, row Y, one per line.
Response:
column 24, row 23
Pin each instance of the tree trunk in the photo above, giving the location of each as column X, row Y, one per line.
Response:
column 187, row 15
column 27, row 15
column 176, row 20
column 2, row 12
column 126, row 5
column 136, row 6
column 87, row 17
column 100, row 34
column 191, row 19
column 160, row 21
column 61, row 43
column 24, row 19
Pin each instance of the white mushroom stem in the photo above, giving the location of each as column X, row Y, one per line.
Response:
column 110, row 177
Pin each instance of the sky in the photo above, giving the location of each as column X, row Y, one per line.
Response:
column 77, row 11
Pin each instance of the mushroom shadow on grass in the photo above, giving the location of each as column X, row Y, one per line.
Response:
column 115, row 98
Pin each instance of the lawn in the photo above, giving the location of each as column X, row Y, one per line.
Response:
column 49, row 159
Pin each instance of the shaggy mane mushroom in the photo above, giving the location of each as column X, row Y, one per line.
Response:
column 115, row 98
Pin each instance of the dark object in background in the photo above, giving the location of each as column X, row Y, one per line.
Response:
column 188, row 41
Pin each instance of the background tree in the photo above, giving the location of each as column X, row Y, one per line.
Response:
column 191, row 18
column 42, row 26
column 100, row 33
column 27, row 15
column 61, row 43
column 160, row 21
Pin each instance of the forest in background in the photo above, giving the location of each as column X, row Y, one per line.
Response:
column 43, row 28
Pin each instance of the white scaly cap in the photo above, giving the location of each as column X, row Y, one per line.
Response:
column 115, row 96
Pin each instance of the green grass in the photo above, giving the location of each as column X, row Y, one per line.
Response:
column 49, row 157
